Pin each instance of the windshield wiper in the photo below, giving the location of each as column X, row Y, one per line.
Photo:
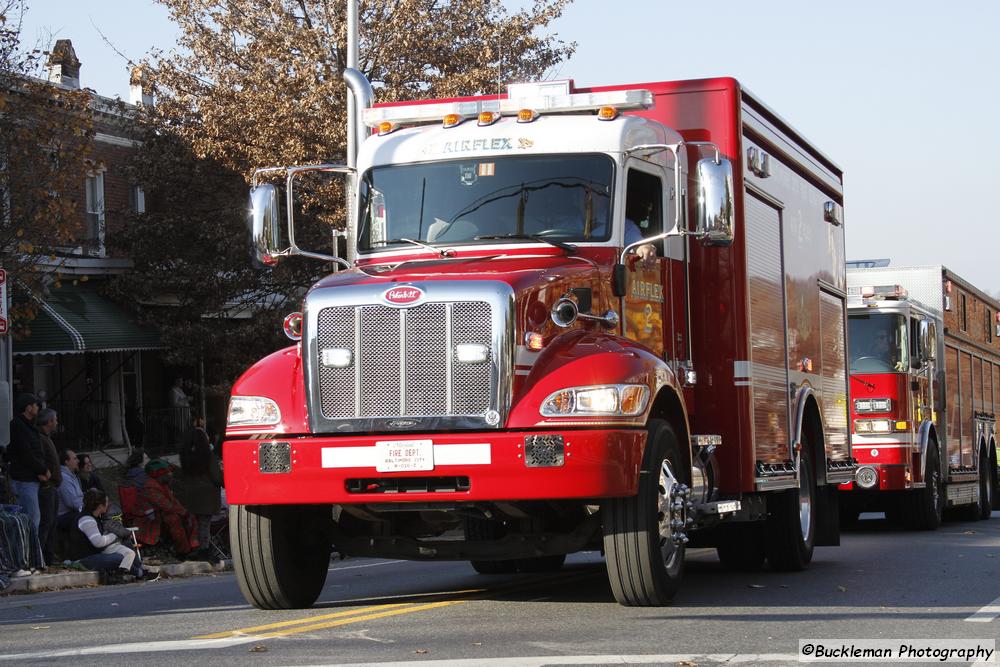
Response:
column 867, row 384
column 441, row 252
column 568, row 247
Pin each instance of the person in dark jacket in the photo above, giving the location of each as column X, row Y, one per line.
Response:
column 88, row 478
column 48, row 493
column 27, row 459
column 200, row 487
column 135, row 474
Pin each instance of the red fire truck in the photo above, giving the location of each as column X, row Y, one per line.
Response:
column 571, row 319
column 925, row 387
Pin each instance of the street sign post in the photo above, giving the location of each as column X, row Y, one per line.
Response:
column 3, row 301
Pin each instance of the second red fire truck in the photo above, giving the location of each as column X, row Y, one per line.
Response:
column 570, row 319
column 925, row 387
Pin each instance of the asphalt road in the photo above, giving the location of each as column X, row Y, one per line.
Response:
column 881, row 583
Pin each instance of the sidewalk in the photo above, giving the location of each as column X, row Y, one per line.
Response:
column 43, row 581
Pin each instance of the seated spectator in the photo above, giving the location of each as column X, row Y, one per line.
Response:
column 158, row 508
column 135, row 474
column 70, row 492
column 85, row 471
column 95, row 549
column 202, row 481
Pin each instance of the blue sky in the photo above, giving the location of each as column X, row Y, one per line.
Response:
column 902, row 95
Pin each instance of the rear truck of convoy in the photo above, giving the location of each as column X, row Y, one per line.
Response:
column 925, row 388
column 569, row 319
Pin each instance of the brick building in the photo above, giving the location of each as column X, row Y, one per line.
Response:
column 86, row 355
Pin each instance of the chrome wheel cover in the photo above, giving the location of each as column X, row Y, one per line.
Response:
column 805, row 502
column 672, row 517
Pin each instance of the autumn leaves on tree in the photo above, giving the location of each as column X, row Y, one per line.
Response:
column 258, row 83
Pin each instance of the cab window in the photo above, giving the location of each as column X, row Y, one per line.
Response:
column 643, row 206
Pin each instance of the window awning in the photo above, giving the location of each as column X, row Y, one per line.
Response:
column 76, row 319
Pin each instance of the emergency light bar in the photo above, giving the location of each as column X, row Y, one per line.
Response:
column 881, row 292
column 542, row 103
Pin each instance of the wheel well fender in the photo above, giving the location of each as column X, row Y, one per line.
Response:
column 925, row 434
column 808, row 417
column 583, row 359
column 668, row 406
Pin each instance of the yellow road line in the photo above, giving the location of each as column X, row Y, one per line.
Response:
column 371, row 613
column 299, row 621
column 358, row 619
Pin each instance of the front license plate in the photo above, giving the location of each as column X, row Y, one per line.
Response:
column 404, row 455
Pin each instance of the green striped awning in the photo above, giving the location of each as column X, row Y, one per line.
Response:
column 76, row 319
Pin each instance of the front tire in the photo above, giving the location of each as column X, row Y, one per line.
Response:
column 281, row 553
column 791, row 521
column 643, row 535
column 985, row 488
column 926, row 505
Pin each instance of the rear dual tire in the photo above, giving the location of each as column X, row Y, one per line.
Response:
column 923, row 508
column 790, row 530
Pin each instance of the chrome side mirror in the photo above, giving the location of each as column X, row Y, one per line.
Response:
column 928, row 340
column 716, row 202
column 265, row 232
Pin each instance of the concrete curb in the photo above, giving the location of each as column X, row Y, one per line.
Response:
column 46, row 582
column 189, row 568
column 61, row 580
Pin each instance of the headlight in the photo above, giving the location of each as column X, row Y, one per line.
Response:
column 872, row 405
column 626, row 400
column 873, row 426
column 252, row 410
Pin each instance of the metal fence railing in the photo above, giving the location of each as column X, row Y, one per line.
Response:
column 83, row 426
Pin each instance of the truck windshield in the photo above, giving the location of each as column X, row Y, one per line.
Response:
column 877, row 343
column 487, row 200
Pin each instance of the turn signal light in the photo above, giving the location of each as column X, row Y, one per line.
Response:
column 451, row 120
column 526, row 115
column 902, row 426
column 488, row 118
column 534, row 341
column 607, row 113
column 385, row 127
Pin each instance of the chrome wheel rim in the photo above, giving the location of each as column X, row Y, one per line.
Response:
column 805, row 502
column 671, row 515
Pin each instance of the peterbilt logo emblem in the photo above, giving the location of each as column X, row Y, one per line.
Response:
column 403, row 296
column 402, row 423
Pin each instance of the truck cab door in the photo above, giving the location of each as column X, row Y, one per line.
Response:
column 646, row 313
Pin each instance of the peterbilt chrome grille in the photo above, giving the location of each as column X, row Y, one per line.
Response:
column 403, row 361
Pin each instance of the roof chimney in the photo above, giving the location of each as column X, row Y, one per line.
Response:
column 140, row 87
column 64, row 66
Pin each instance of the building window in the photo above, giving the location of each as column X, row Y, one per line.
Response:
column 137, row 198
column 989, row 326
column 95, row 214
column 963, row 314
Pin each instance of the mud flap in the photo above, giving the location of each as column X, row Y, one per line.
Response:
column 828, row 516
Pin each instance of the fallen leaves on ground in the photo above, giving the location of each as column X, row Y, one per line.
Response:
column 842, row 589
column 421, row 651
column 259, row 648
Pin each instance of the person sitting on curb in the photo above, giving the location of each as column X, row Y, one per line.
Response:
column 135, row 474
column 70, row 493
column 97, row 550
column 158, row 508
column 88, row 477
